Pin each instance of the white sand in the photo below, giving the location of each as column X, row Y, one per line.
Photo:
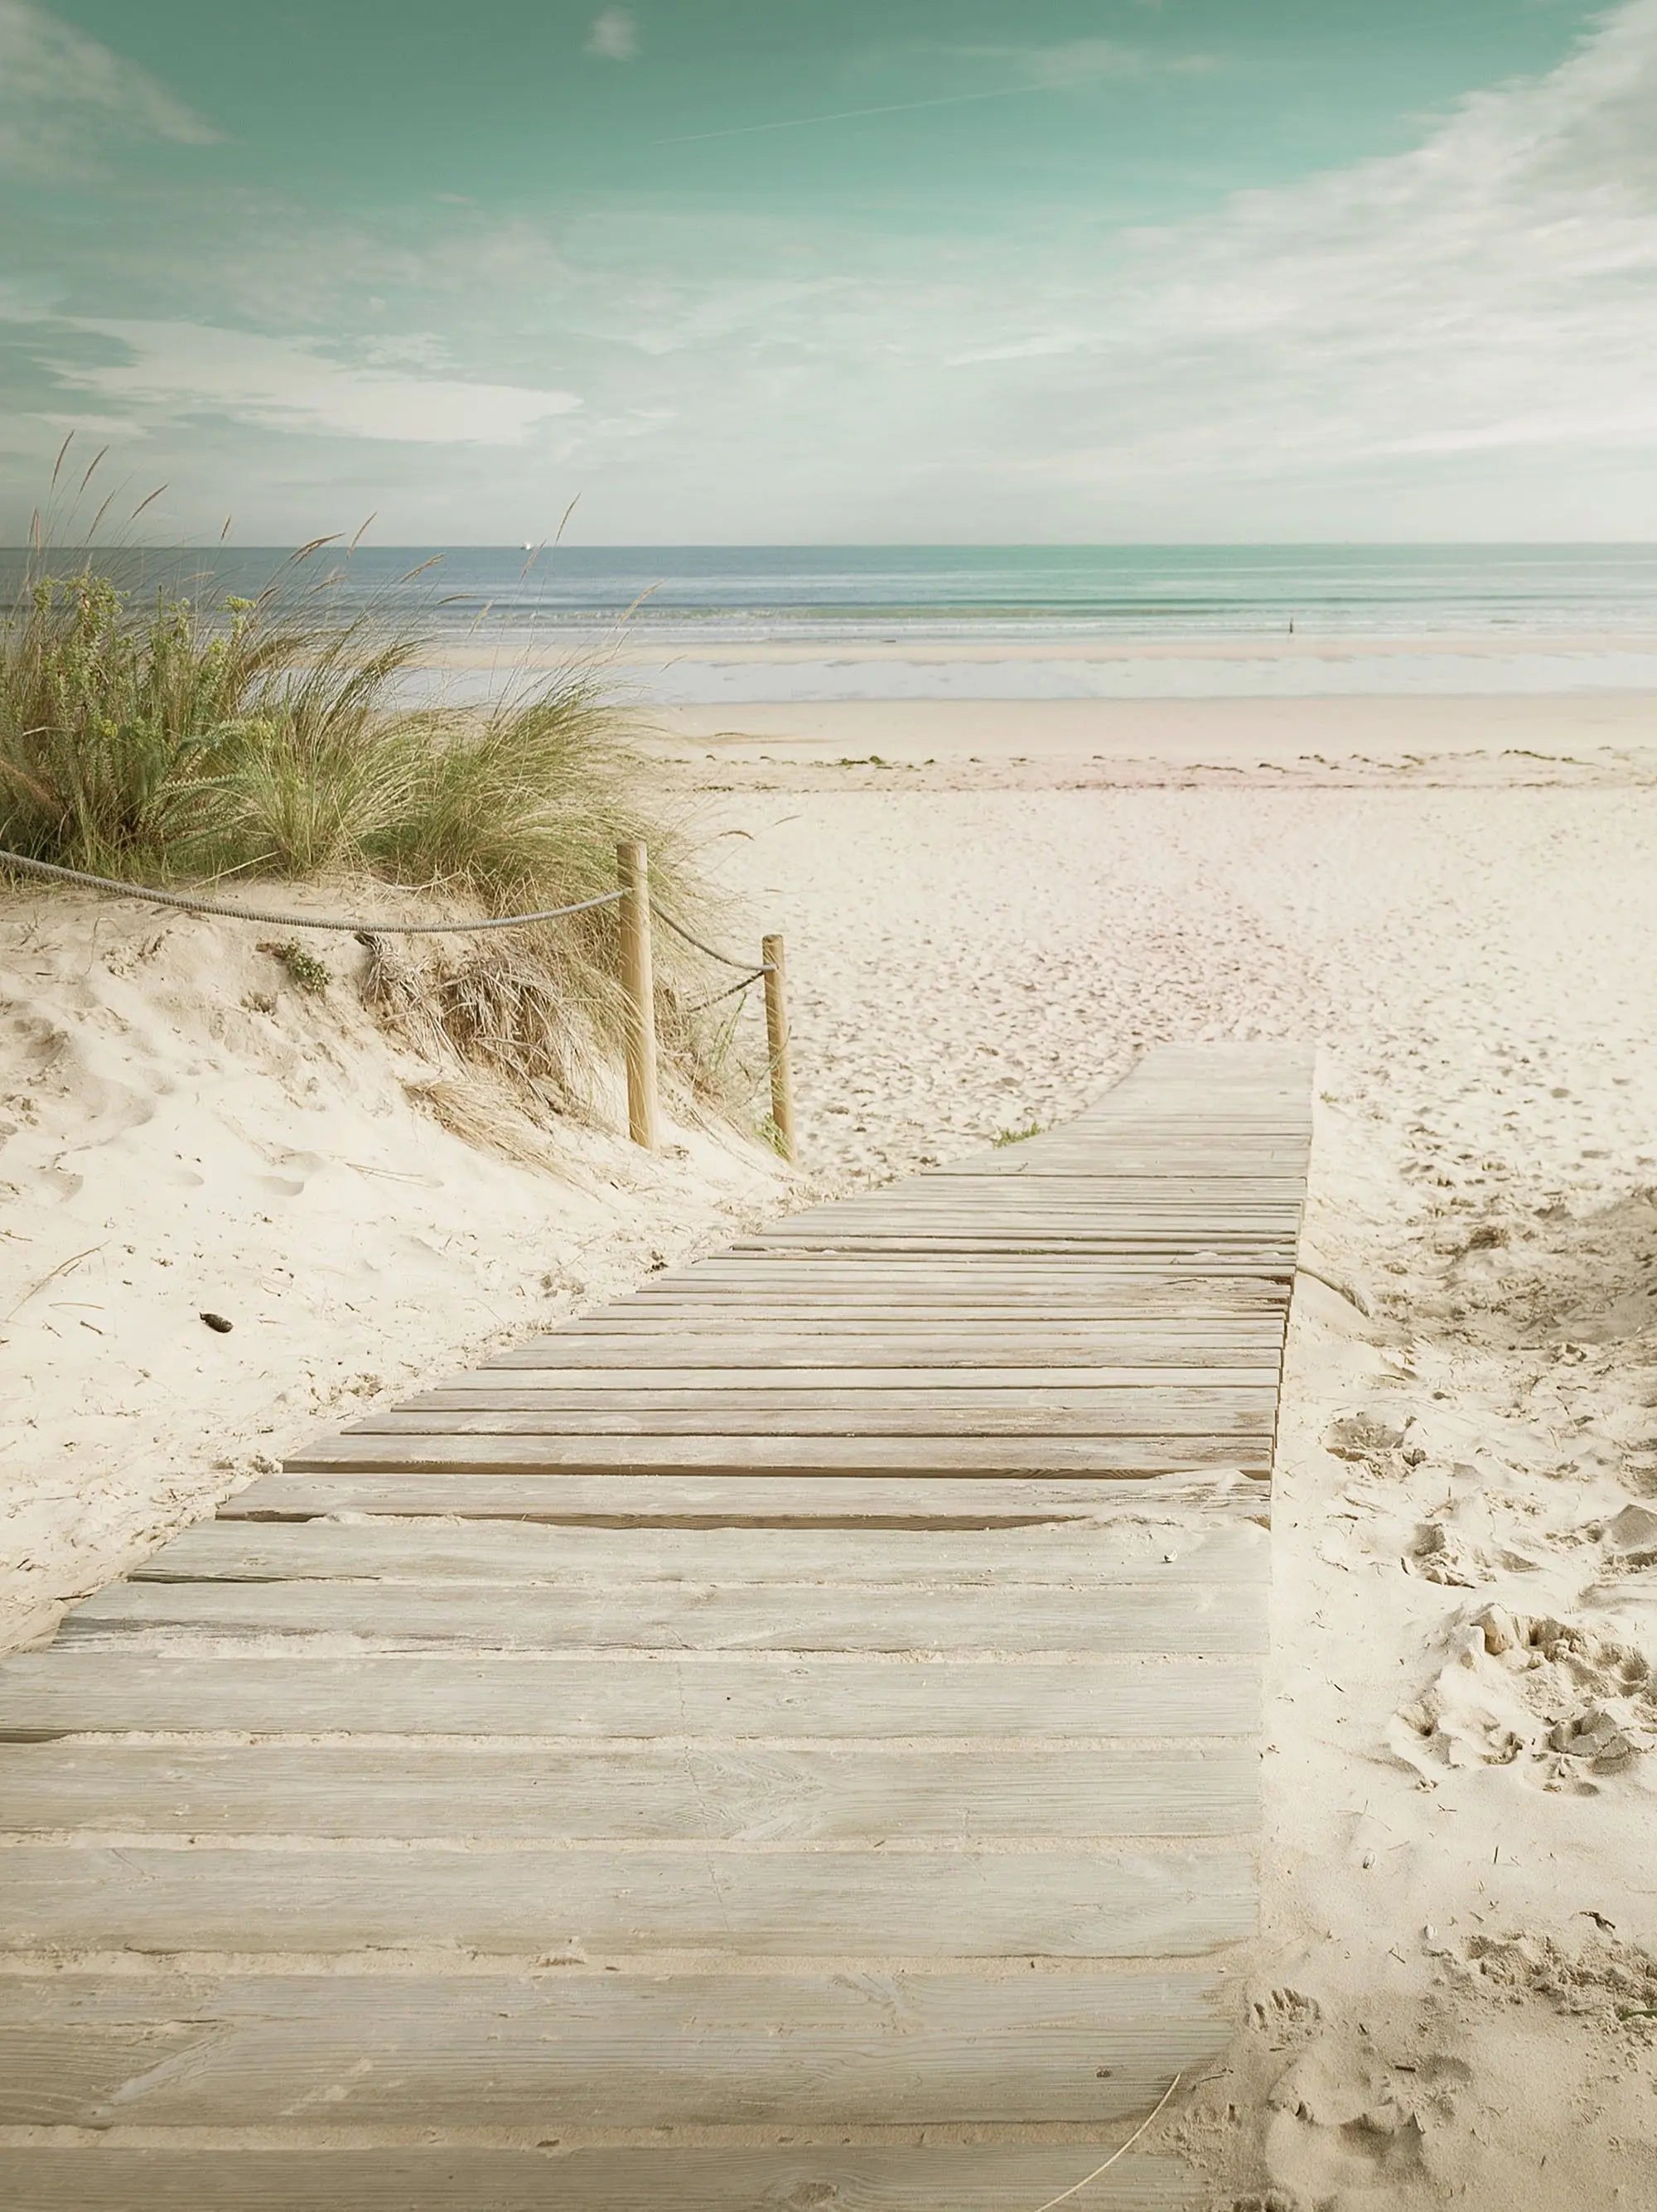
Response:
column 186, row 1133
column 1436, row 2014
column 1452, row 2001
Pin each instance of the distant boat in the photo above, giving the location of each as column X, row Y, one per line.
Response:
column 528, row 548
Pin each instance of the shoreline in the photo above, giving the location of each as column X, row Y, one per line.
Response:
column 1607, row 733
column 661, row 676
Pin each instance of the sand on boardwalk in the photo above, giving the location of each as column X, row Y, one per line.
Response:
column 185, row 1131
column 1453, row 1998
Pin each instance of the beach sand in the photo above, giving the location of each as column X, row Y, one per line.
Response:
column 1454, row 1997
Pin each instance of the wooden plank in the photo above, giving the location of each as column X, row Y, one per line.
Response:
column 968, row 1348
column 1001, row 1207
column 991, row 1208
column 656, row 1382
column 983, row 2177
column 1154, row 1398
column 560, row 2049
column 63, row 1692
column 1116, row 1290
column 1055, row 1222
column 1171, row 1166
column 1130, row 1340
column 1173, row 1173
column 727, row 1501
column 1111, row 1299
column 809, row 1270
column 759, row 1455
column 1154, row 1265
column 1091, row 1550
column 595, row 1902
column 823, row 1270
column 1098, row 1617
column 644, row 1792
column 504, row 1409
column 1259, row 1320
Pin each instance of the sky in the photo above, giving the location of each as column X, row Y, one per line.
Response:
column 887, row 271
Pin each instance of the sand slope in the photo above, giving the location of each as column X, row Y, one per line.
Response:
column 186, row 1132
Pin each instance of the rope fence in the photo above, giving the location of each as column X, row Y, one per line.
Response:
column 188, row 903
column 632, row 894
column 725, row 959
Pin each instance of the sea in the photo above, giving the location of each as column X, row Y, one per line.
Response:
column 728, row 623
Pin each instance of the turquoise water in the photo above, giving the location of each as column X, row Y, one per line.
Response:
column 783, row 595
column 1513, row 604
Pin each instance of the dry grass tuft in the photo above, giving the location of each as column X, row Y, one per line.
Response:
column 170, row 740
column 486, row 1120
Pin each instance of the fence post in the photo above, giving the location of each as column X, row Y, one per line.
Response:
column 777, row 1041
column 639, row 988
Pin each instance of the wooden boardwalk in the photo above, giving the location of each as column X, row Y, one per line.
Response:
column 786, row 1742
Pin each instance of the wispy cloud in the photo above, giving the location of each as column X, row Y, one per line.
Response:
column 65, row 98
column 850, row 114
column 174, row 371
column 613, row 35
column 1034, row 69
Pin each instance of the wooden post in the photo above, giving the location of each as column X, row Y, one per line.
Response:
column 776, row 1037
column 639, row 987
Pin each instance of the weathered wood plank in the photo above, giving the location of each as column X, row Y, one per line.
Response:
column 1199, row 1287
column 1148, row 1405
column 645, row 1791
column 501, row 1410
column 783, row 1453
column 1259, row 1321
column 969, row 1347
column 579, row 1384
column 884, row 2178
column 1262, row 1296
column 800, row 1455
column 562, row 2049
column 595, row 1902
column 62, row 1692
column 733, row 1501
column 1099, row 1617
column 1075, row 1544
column 1088, row 1549
column 1267, row 1263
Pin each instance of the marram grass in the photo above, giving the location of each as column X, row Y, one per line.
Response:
column 166, row 742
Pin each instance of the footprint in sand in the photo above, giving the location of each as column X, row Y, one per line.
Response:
column 1534, row 1692
column 1341, row 2118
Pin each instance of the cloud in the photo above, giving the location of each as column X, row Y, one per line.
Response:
column 1496, row 286
column 1454, row 341
column 177, row 370
column 63, row 96
column 613, row 36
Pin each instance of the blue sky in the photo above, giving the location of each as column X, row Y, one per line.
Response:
column 1093, row 270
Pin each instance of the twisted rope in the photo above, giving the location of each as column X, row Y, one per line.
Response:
column 712, row 952
column 189, row 904
column 728, row 991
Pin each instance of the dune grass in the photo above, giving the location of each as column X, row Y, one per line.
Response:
column 168, row 741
